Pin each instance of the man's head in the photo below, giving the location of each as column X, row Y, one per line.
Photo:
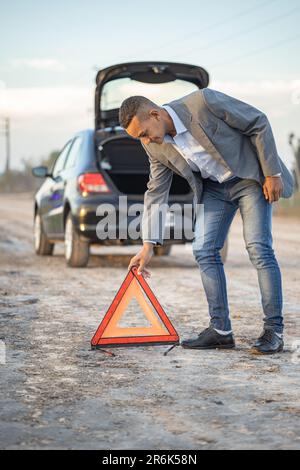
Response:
column 142, row 119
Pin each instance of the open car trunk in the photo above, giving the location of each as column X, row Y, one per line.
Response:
column 127, row 165
column 117, row 82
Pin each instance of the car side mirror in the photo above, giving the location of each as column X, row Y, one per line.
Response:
column 40, row 172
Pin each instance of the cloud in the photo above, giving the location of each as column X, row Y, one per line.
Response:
column 278, row 98
column 38, row 64
column 260, row 88
column 45, row 101
column 42, row 118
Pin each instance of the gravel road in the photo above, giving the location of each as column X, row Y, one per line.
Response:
column 56, row 393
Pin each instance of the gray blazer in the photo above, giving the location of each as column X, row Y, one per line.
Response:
column 231, row 131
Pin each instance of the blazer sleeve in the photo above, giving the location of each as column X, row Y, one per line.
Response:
column 251, row 122
column 156, row 200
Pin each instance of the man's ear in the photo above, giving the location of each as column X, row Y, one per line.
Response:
column 155, row 113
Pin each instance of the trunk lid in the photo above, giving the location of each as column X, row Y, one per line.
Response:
column 158, row 81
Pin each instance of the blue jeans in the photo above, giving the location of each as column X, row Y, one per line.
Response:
column 221, row 201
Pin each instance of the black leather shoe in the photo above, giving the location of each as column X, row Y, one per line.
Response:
column 268, row 343
column 210, row 339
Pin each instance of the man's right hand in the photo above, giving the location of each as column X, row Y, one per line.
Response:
column 142, row 258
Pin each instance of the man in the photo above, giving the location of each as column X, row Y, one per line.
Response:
column 225, row 148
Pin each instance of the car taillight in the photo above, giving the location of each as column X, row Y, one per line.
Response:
column 92, row 183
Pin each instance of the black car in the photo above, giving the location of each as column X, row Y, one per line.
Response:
column 96, row 166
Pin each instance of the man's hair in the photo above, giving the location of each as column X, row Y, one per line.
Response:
column 134, row 106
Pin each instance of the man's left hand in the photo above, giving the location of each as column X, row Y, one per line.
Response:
column 273, row 188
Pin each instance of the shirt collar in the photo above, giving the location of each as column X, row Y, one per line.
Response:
column 178, row 124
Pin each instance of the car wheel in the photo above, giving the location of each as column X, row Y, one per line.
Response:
column 76, row 251
column 42, row 245
column 162, row 250
column 224, row 251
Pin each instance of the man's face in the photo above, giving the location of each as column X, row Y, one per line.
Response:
column 149, row 130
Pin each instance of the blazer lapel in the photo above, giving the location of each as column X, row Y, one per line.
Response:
column 196, row 129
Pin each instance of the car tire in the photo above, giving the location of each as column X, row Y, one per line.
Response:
column 42, row 246
column 77, row 252
column 162, row 250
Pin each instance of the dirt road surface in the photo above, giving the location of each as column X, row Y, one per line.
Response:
column 57, row 393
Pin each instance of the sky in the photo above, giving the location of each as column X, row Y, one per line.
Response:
column 50, row 52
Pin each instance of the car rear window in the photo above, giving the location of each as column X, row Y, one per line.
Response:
column 115, row 91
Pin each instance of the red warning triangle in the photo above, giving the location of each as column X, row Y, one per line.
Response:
column 160, row 330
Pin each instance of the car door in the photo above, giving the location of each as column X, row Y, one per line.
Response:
column 68, row 173
column 55, row 194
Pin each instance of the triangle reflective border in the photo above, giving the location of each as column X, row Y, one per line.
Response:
column 111, row 334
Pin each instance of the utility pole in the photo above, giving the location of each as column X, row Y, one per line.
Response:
column 7, row 143
column 7, row 136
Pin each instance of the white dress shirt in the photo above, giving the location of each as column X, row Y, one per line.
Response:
column 193, row 152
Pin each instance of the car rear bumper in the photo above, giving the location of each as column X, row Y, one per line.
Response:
column 90, row 225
